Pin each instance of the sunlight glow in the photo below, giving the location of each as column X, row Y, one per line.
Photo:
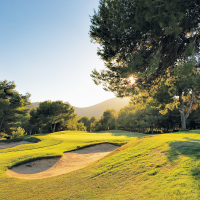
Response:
column 132, row 79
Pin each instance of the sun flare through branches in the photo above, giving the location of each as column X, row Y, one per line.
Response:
column 132, row 79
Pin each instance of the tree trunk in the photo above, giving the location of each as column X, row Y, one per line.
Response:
column 173, row 127
column 54, row 128
column 1, row 122
column 151, row 129
column 183, row 116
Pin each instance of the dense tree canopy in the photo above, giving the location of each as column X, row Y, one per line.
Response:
column 108, row 119
column 147, row 120
column 12, row 106
column 143, row 38
column 149, row 47
column 49, row 114
column 87, row 122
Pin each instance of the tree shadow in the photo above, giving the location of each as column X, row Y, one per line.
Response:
column 189, row 148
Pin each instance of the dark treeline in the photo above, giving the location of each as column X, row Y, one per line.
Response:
column 147, row 120
column 17, row 120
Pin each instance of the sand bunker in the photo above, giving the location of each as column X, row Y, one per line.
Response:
column 4, row 145
column 56, row 166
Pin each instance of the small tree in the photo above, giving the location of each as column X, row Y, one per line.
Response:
column 95, row 126
column 18, row 133
column 86, row 121
column 73, row 124
column 80, row 127
column 108, row 119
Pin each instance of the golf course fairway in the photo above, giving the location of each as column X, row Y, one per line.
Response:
column 160, row 166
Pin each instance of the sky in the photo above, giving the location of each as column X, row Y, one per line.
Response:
column 46, row 50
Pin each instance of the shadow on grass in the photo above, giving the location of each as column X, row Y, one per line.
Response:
column 28, row 139
column 123, row 133
column 189, row 148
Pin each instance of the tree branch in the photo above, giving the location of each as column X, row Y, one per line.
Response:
column 190, row 106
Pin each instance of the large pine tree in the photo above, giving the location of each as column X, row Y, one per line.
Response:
column 142, row 42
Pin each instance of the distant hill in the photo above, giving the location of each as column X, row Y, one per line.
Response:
column 98, row 109
column 33, row 105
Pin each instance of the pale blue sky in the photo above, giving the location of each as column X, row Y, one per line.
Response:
column 45, row 48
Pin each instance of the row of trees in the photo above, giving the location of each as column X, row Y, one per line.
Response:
column 145, row 120
column 107, row 121
column 57, row 116
column 49, row 116
column 16, row 118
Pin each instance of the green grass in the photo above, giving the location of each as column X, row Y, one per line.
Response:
column 162, row 166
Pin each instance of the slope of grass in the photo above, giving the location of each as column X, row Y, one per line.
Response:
column 54, row 145
column 165, row 166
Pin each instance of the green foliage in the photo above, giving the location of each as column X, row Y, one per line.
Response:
column 3, row 135
column 147, row 120
column 86, row 121
column 80, row 127
column 89, row 123
column 95, row 126
column 51, row 116
column 18, row 133
column 157, row 43
column 108, row 120
column 143, row 38
column 74, row 124
column 71, row 124
column 12, row 107
column 193, row 121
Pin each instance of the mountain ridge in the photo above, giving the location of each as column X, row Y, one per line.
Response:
column 97, row 109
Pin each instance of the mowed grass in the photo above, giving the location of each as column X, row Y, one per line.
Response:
column 164, row 166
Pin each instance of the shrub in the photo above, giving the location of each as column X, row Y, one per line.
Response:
column 18, row 133
column 80, row 127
